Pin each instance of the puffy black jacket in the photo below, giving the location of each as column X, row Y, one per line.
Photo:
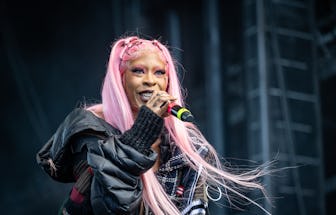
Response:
column 117, row 159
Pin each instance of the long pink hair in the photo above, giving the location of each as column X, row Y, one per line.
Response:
column 117, row 111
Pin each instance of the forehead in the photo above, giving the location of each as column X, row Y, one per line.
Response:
column 148, row 58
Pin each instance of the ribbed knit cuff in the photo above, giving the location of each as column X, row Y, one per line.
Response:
column 145, row 130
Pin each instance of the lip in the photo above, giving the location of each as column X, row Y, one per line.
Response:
column 145, row 91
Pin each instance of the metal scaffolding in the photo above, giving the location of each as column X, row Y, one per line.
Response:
column 283, row 120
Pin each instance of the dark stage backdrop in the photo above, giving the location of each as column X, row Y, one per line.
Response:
column 53, row 57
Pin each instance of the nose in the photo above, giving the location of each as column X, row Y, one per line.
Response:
column 149, row 79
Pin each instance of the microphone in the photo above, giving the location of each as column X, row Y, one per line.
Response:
column 181, row 113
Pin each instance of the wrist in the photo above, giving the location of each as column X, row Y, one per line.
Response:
column 145, row 130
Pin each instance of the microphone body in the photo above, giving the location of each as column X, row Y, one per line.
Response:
column 181, row 113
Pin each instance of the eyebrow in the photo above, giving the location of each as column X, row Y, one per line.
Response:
column 142, row 66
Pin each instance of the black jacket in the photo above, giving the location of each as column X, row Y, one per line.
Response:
column 117, row 160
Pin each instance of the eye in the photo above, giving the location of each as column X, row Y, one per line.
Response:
column 137, row 70
column 160, row 72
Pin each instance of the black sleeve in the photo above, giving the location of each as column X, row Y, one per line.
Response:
column 145, row 130
column 119, row 161
column 116, row 186
column 78, row 201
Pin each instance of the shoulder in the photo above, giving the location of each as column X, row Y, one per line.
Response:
column 78, row 123
column 97, row 110
column 81, row 119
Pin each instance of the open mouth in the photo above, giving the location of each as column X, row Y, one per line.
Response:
column 145, row 95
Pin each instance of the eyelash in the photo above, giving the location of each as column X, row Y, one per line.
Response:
column 161, row 72
column 137, row 70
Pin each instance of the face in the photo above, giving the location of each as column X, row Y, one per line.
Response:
column 144, row 75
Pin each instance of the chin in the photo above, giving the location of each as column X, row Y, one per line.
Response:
column 137, row 107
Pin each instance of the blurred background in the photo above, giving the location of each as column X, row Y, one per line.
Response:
column 260, row 78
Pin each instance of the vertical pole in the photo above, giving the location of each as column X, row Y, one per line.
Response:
column 132, row 15
column 321, row 195
column 213, row 70
column 263, row 91
column 117, row 18
column 174, row 34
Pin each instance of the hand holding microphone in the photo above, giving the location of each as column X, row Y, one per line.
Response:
column 163, row 104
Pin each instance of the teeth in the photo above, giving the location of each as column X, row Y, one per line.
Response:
column 146, row 96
